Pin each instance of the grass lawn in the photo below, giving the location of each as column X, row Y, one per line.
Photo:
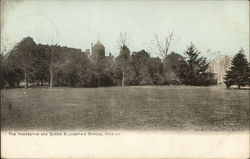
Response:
column 126, row 108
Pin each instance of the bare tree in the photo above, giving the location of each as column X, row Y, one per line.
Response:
column 164, row 46
column 122, row 40
column 6, row 49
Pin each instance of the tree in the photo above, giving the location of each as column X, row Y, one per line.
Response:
column 140, row 65
column 72, row 72
column 155, row 68
column 10, row 73
column 3, row 64
column 104, row 68
column 122, row 61
column 174, row 62
column 22, row 56
column 56, row 62
column 39, row 72
column 195, row 71
column 164, row 47
column 238, row 73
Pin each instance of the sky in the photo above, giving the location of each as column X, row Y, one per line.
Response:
column 219, row 26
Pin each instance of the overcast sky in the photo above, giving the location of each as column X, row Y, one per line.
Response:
column 219, row 26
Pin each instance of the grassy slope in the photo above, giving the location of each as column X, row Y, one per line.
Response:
column 130, row 108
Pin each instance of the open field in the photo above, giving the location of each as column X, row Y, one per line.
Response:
column 126, row 108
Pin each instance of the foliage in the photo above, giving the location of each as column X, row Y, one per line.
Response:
column 54, row 65
column 69, row 68
column 155, row 68
column 19, row 62
column 239, row 72
column 194, row 72
column 122, row 65
column 140, row 65
column 39, row 72
column 173, row 68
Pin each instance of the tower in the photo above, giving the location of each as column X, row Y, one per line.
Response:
column 97, row 51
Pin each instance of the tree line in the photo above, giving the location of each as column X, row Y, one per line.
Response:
column 31, row 65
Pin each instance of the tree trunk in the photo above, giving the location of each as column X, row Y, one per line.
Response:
column 51, row 80
column 238, row 86
column 123, row 80
column 25, row 79
column 164, row 75
column 51, row 74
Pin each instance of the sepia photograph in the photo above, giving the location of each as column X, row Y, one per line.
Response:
column 107, row 71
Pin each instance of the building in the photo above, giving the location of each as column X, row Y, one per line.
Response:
column 97, row 51
column 219, row 67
